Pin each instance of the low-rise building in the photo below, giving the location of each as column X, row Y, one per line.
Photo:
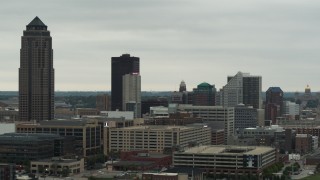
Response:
column 231, row 160
column 87, row 133
column 57, row 166
column 303, row 143
column 164, row 176
column 19, row 147
column 157, row 138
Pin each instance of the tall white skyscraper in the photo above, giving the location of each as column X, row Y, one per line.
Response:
column 131, row 93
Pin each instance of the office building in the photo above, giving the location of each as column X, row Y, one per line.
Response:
column 103, row 102
column 241, row 88
column 274, row 104
column 131, row 93
column 245, row 117
column 303, row 143
column 36, row 73
column 120, row 66
column 252, row 87
column 19, row 147
column 57, row 165
column 87, row 133
column 213, row 114
column 291, row 110
column 204, row 95
column 146, row 104
column 230, row 160
column 182, row 87
column 157, row 138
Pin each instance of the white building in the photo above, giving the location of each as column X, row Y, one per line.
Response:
column 118, row 114
column 291, row 108
column 131, row 93
column 159, row 112
column 241, row 88
column 213, row 114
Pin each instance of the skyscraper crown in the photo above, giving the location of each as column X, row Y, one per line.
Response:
column 36, row 24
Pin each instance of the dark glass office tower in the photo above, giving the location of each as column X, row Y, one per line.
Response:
column 36, row 73
column 125, row 64
column 252, row 91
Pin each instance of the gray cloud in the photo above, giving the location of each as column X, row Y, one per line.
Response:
column 191, row 40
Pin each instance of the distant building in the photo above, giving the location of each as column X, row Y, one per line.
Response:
column 120, row 66
column 86, row 112
column 204, row 95
column 159, row 112
column 303, row 143
column 9, row 115
column 245, row 117
column 241, row 88
column 146, row 104
column 19, row 147
column 182, row 87
column 57, row 165
column 87, row 133
column 212, row 114
column 36, row 73
column 118, row 114
column 103, row 102
column 165, row 176
column 157, row 138
column 228, row 160
column 291, row 110
column 274, row 104
column 131, row 93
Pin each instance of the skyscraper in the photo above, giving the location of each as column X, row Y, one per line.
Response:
column 36, row 73
column 131, row 93
column 241, row 88
column 274, row 103
column 125, row 64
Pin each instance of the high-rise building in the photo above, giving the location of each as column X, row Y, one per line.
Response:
column 245, row 117
column 204, row 95
column 252, row 87
column 242, row 88
column 182, row 87
column 274, row 103
column 131, row 93
column 36, row 73
column 125, row 64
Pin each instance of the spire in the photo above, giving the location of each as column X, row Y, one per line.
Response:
column 36, row 24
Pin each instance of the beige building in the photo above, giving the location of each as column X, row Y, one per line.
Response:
column 131, row 93
column 157, row 138
column 57, row 165
column 231, row 160
column 213, row 114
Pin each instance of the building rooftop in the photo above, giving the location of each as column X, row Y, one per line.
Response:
column 275, row 89
column 157, row 127
column 27, row 137
column 36, row 22
column 222, row 149
column 57, row 160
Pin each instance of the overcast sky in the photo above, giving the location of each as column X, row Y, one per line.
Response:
column 192, row 40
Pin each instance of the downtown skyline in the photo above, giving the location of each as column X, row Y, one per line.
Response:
column 194, row 41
